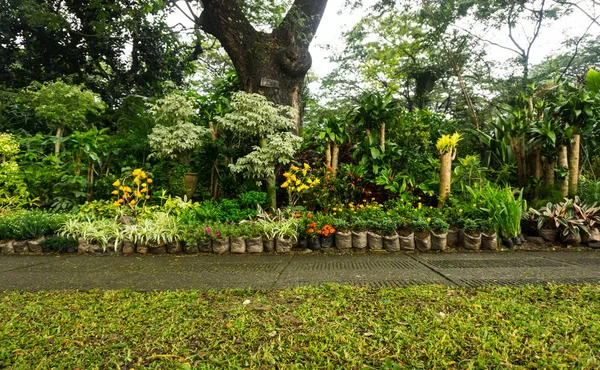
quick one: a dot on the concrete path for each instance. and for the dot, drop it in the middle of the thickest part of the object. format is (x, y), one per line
(44, 272)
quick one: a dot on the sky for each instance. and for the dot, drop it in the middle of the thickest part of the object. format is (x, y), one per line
(339, 18)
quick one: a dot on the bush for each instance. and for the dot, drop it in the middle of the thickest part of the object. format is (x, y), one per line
(59, 244)
(30, 224)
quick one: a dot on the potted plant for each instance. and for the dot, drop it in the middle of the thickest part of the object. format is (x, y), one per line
(589, 215)
(388, 227)
(471, 234)
(343, 235)
(489, 240)
(374, 238)
(220, 242)
(313, 236)
(406, 235)
(359, 233)
(439, 234)
(254, 242)
(237, 237)
(420, 226)
(287, 234)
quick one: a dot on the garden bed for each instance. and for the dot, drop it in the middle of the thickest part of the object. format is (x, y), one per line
(326, 327)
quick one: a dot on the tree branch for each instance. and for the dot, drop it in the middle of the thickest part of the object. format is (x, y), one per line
(301, 21)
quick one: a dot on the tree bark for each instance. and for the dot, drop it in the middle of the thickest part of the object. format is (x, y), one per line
(334, 158)
(549, 172)
(574, 165)
(273, 64)
(59, 134)
(328, 154)
(445, 177)
(518, 147)
(563, 162)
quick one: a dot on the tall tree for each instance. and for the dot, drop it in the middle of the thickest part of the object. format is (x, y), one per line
(274, 63)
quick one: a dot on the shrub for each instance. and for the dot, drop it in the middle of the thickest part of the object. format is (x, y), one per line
(58, 244)
(30, 224)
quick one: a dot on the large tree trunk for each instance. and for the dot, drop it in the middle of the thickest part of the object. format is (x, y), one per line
(574, 165)
(273, 64)
(538, 171)
(328, 154)
(59, 134)
(563, 162)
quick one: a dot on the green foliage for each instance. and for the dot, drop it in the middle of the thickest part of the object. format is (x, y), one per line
(23, 225)
(61, 104)
(439, 225)
(174, 135)
(57, 244)
(420, 223)
(503, 205)
(9, 146)
(520, 318)
(470, 225)
(97, 209)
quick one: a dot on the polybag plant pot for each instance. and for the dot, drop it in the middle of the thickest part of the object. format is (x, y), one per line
(327, 241)
(254, 245)
(303, 243)
(374, 241)
(472, 242)
(489, 241)
(439, 241)
(343, 240)
(391, 243)
(284, 245)
(237, 245)
(570, 238)
(549, 235)
(423, 241)
(35, 245)
(142, 249)
(407, 243)
(359, 240)
(20, 246)
(593, 236)
(192, 249)
(453, 238)
(314, 243)
(128, 247)
(205, 247)
(268, 244)
(174, 248)
(220, 246)
(158, 249)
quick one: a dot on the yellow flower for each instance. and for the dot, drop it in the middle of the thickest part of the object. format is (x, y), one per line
(136, 181)
(137, 194)
(115, 192)
(116, 204)
(428, 219)
(334, 213)
(294, 168)
(117, 183)
(147, 197)
(460, 210)
(334, 208)
(121, 188)
(474, 204)
(144, 185)
(298, 182)
(121, 201)
(144, 190)
(309, 180)
(287, 175)
(132, 202)
(419, 205)
(293, 178)
(304, 172)
(306, 166)
(316, 182)
(127, 189)
(136, 172)
(149, 181)
(143, 175)
(285, 184)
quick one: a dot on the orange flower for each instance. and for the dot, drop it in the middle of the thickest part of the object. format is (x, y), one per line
(329, 167)
(311, 231)
(309, 215)
(297, 215)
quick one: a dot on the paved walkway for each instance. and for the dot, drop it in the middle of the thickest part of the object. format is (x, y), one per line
(41, 272)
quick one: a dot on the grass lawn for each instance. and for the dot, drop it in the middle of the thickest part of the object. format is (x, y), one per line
(325, 327)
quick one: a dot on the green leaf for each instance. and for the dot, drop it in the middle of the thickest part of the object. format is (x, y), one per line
(592, 80)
